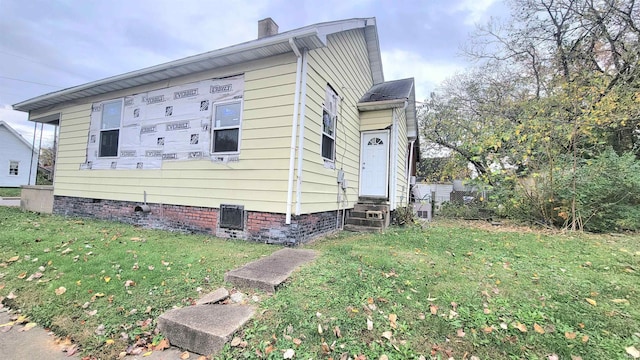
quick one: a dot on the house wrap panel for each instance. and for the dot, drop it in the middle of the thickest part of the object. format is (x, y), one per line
(257, 180)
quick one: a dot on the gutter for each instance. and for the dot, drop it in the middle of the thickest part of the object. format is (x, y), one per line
(303, 105)
(294, 126)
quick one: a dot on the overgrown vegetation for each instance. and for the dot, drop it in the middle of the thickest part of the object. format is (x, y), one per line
(555, 95)
(453, 290)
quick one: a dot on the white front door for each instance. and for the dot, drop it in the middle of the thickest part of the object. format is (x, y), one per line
(374, 164)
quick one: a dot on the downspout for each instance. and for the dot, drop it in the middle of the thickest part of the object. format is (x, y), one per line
(303, 105)
(393, 164)
(294, 125)
(409, 167)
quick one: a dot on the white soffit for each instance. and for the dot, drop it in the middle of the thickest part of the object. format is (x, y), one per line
(309, 37)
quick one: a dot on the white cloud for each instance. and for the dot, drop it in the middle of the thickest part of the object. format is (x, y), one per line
(399, 64)
(476, 10)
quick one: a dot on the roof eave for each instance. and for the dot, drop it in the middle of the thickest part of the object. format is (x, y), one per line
(310, 37)
(17, 135)
(381, 105)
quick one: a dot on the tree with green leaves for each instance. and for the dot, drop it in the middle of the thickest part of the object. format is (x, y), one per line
(558, 85)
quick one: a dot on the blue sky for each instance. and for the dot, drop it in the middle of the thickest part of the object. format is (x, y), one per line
(51, 45)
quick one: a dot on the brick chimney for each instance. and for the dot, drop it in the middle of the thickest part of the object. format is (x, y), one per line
(267, 27)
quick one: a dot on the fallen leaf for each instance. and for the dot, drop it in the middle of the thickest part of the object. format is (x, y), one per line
(488, 329)
(585, 338)
(61, 290)
(325, 348)
(631, 350)
(461, 333)
(107, 279)
(575, 357)
(202, 357)
(99, 330)
(570, 335)
(320, 329)
(184, 355)
(28, 327)
(109, 342)
(235, 341)
(336, 332)
(22, 275)
(91, 313)
(620, 301)
(11, 296)
(13, 259)
(162, 345)
(36, 275)
(392, 320)
(537, 328)
(520, 326)
(553, 357)
(504, 326)
(289, 354)
(129, 283)
(384, 357)
(591, 301)
(369, 324)
(433, 309)
(297, 341)
(387, 335)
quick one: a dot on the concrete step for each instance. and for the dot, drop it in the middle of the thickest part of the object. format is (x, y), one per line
(372, 200)
(358, 214)
(379, 223)
(359, 207)
(357, 228)
(268, 273)
(203, 329)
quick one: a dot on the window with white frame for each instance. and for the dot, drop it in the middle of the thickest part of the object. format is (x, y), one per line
(225, 134)
(110, 128)
(14, 167)
(329, 119)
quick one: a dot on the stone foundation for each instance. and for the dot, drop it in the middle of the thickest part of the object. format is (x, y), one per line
(258, 226)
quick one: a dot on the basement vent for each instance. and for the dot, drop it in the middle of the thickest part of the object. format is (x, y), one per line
(232, 217)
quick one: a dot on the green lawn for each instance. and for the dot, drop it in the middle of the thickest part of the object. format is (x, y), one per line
(452, 289)
(9, 192)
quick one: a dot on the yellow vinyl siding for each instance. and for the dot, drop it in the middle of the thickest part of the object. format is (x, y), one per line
(258, 180)
(343, 64)
(401, 159)
(375, 120)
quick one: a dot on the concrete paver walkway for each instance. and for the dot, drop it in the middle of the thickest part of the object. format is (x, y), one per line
(33, 344)
(13, 202)
(212, 325)
(267, 273)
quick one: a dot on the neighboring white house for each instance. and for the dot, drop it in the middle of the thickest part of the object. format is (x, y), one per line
(15, 159)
